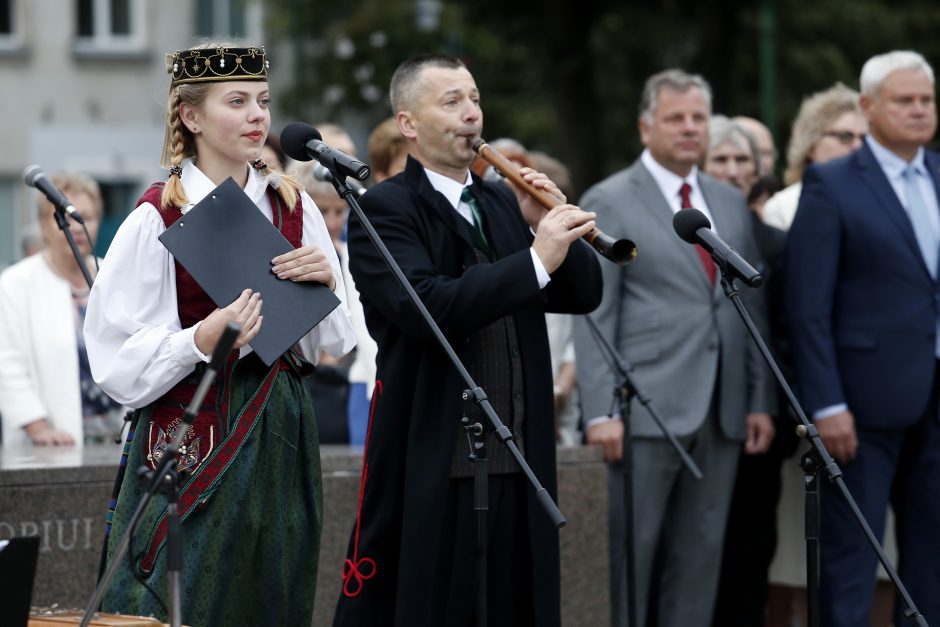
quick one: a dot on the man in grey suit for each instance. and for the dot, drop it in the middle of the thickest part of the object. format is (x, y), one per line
(667, 315)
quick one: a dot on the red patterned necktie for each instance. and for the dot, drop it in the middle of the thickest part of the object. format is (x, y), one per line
(685, 193)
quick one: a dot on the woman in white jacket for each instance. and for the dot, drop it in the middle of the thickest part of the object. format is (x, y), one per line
(47, 395)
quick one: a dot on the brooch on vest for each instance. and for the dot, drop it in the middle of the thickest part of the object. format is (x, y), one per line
(194, 449)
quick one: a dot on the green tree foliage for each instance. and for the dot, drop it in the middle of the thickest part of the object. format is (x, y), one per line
(565, 77)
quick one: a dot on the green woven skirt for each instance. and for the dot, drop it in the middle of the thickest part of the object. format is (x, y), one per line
(251, 511)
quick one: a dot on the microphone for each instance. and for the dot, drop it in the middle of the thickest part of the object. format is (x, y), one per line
(301, 142)
(224, 346)
(34, 177)
(322, 174)
(216, 363)
(692, 226)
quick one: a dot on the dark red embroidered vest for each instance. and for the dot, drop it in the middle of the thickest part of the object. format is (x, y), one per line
(193, 304)
(208, 439)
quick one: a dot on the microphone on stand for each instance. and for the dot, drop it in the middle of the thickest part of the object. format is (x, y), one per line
(301, 142)
(34, 177)
(118, 436)
(220, 353)
(224, 345)
(693, 226)
(322, 174)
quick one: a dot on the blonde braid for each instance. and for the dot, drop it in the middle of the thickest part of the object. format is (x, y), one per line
(287, 187)
(173, 194)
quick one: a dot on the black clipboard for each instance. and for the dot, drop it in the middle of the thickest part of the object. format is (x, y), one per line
(227, 244)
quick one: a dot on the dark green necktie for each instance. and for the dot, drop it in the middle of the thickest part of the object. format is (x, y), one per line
(479, 238)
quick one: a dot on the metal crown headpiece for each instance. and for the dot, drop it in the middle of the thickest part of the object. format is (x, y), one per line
(217, 64)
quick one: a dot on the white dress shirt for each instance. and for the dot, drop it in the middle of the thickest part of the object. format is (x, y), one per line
(451, 190)
(136, 345)
(669, 184)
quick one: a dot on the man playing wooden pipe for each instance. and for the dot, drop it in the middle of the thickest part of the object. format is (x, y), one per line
(487, 270)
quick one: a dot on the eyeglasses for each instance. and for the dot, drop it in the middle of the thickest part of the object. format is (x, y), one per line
(844, 137)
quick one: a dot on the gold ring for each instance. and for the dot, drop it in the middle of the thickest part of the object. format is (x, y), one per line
(565, 222)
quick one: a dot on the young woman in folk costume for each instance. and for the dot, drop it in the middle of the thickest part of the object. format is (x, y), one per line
(251, 503)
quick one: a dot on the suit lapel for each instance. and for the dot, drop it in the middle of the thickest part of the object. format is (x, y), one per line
(651, 196)
(875, 179)
(438, 205)
(933, 169)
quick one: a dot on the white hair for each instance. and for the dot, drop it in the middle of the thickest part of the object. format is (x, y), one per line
(722, 129)
(877, 68)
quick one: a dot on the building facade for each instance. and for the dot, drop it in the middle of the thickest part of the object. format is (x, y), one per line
(84, 89)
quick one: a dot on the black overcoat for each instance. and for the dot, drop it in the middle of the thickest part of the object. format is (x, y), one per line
(417, 404)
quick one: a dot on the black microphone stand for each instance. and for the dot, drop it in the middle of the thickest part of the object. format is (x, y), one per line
(166, 478)
(472, 392)
(623, 395)
(476, 441)
(62, 221)
(812, 462)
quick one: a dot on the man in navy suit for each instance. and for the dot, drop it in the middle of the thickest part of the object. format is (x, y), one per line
(864, 302)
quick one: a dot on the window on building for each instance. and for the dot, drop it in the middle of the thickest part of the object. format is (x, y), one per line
(109, 25)
(11, 224)
(6, 17)
(240, 19)
(86, 18)
(17, 215)
(118, 198)
(11, 25)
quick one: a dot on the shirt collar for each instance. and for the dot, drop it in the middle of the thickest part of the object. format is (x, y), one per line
(892, 164)
(668, 182)
(448, 187)
(197, 185)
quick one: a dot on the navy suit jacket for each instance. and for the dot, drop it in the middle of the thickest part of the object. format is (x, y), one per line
(861, 304)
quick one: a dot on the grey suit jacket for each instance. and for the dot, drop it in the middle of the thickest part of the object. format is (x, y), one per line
(683, 336)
